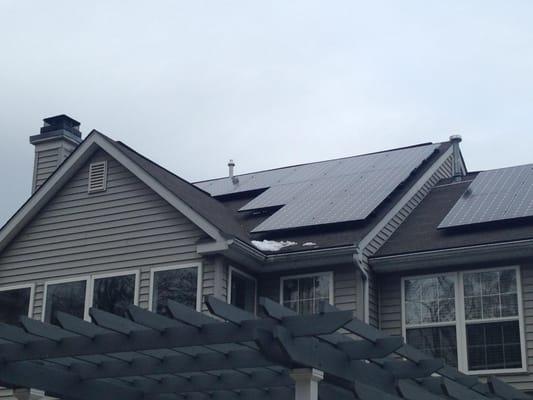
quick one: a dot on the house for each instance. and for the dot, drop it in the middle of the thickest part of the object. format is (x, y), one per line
(107, 227)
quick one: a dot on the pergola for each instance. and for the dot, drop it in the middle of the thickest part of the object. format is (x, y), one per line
(232, 356)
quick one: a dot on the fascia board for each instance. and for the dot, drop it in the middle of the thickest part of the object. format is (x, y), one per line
(494, 252)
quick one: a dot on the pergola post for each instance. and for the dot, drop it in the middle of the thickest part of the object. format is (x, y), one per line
(306, 383)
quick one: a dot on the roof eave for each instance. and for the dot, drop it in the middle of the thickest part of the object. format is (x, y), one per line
(442, 258)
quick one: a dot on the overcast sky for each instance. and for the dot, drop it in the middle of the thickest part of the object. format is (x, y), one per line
(191, 84)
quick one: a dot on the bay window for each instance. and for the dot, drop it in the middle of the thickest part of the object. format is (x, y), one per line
(472, 319)
(305, 293)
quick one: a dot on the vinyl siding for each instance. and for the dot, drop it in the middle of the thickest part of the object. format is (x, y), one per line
(48, 156)
(127, 227)
(444, 171)
(391, 316)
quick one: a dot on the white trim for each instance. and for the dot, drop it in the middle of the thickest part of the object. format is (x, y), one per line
(313, 274)
(30, 286)
(419, 184)
(197, 265)
(460, 321)
(86, 278)
(245, 275)
(135, 272)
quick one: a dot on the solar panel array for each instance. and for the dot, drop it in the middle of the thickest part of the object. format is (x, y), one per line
(342, 190)
(495, 195)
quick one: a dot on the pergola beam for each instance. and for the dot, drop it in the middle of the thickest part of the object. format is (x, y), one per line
(207, 383)
(57, 382)
(173, 364)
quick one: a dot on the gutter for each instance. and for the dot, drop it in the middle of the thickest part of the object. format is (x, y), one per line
(493, 252)
(242, 252)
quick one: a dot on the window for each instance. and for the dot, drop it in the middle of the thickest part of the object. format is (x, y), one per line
(14, 302)
(67, 296)
(492, 320)
(114, 292)
(242, 290)
(430, 316)
(180, 284)
(305, 293)
(472, 319)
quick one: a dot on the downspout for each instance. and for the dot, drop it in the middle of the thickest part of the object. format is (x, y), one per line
(360, 265)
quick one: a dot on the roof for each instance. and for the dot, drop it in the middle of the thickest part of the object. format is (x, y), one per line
(323, 235)
(420, 232)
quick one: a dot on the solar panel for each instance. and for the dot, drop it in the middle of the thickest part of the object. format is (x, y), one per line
(346, 189)
(495, 195)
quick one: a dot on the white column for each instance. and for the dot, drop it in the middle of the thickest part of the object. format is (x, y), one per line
(306, 383)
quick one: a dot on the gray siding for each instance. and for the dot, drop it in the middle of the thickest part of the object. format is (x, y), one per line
(444, 171)
(49, 156)
(391, 316)
(127, 227)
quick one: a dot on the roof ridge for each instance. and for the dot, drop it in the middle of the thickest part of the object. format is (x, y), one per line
(318, 162)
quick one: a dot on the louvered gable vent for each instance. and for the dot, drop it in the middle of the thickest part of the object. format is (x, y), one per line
(97, 177)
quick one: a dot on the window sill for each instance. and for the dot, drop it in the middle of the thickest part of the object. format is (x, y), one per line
(514, 371)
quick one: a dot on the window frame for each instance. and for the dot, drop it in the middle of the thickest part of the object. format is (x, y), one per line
(199, 290)
(88, 290)
(312, 274)
(232, 269)
(31, 286)
(113, 274)
(461, 322)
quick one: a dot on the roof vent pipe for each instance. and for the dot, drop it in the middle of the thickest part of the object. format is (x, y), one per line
(231, 167)
(458, 171)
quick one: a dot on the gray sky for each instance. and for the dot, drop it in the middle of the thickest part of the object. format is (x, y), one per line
(191, 84)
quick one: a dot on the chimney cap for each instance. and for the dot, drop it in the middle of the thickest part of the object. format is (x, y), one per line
(58, 126)
(231, 163)
(456, 138)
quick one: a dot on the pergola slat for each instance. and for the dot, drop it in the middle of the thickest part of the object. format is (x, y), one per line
(224, 310)
(151, 319)
(408, 369)
(505, 391)
(45, 330)
(188, 316)
(365, 350)
(79, 326)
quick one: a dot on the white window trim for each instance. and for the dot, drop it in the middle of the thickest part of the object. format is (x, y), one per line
(135, 272)
(325, 273)
(89, 295)
(460, 321)
(31, 286)
(175, 267)
(231, 270)
(88, 290)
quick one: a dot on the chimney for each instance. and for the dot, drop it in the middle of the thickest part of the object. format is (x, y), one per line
(457, 160)
(58, 138)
